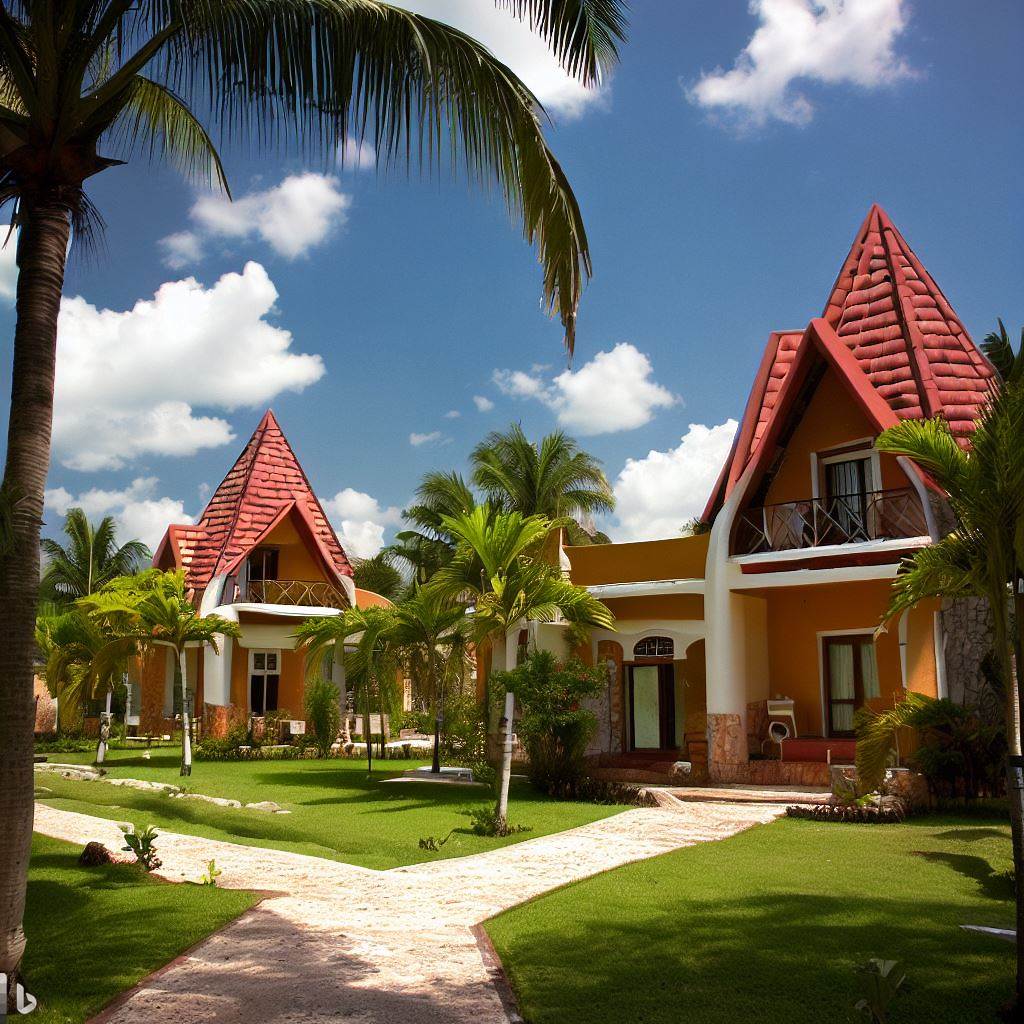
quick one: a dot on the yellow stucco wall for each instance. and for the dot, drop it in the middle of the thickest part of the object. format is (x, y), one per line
(290, 690)
(295, 561)
(679, 558)
(659, 606)
(832, 419)
(797, 615)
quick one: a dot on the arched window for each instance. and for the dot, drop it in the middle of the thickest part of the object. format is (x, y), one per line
(654, 647)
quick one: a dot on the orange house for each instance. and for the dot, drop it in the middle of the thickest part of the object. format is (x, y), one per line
(263, 554)
(779, 599)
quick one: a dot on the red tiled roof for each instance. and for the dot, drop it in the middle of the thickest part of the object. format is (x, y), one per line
(909, 347)
(265, 485)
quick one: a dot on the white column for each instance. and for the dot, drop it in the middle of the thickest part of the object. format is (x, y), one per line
(726, 645)
(217, 665)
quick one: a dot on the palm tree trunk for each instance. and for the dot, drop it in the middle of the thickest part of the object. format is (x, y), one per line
(42, 251)
(1014, 766)
(366, 725)
(435, 766)
(186, 735)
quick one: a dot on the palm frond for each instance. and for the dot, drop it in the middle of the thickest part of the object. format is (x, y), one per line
(876, 736)
(948, 568)
(157, 121)
(583, 34)
(931, 444)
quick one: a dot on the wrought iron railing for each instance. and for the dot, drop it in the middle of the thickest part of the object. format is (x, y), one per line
(307, 593)
(842, 519)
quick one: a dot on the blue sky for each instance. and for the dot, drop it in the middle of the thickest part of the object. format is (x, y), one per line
(722, 176)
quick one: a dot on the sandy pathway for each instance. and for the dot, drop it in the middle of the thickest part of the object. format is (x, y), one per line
(348, 944)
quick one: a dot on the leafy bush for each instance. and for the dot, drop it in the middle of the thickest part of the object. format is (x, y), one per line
(487, 822)
(421, 721)
(237, 745)
(66, 745)
(464, 737)
(959, 755)
(553, 726)
(323, 714)
(601, 791)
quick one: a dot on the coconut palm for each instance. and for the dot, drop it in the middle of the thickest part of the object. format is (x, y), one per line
(371, 663)
(984, 554)
(499, 564)
(86, 84)
(555, 478)
(90, 559)
(154, 609)
(431, 632)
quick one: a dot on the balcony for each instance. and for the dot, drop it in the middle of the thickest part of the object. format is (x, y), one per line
(303, 593)
(844, 519)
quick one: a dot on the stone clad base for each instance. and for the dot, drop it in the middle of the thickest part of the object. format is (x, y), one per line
(217, 720)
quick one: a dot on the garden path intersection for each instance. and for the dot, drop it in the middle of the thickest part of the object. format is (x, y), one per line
(340, 943)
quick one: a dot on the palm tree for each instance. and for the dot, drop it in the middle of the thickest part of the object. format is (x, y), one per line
(89, 561)
(79, 76)
(500, 566)
(431, 632)
(555, 478)
(379, 575)
(984, 554)
(154, 609)
(71, 643)
(371, 664)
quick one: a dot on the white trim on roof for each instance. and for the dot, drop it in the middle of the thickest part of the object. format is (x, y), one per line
(647, 588)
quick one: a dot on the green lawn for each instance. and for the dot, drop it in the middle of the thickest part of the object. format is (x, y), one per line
(336, 811)
(94, 932)
(768, 925)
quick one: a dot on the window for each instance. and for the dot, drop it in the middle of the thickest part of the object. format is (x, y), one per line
(847, 480)
(654, 647)
(264, 678)
(851, 678)
(263, 564)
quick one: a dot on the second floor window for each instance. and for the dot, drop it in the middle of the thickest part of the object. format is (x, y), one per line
(263, 564)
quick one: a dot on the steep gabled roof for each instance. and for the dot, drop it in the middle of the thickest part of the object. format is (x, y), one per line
(264, 486)
(904, 347)
(891, 314)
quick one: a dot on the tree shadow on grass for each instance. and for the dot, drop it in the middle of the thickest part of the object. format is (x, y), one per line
(768, 958)
(972, 835)
(994, 885)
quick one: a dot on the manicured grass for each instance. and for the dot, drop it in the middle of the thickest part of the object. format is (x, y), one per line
(336, 811)
(767, 926)
(94, 932)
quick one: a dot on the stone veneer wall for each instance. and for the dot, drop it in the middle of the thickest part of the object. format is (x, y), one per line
(727, 746)
(967, 637)
(607, 707)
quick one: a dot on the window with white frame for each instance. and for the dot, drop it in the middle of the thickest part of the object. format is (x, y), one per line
(264, 680)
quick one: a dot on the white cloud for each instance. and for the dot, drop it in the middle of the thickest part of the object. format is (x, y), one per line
(825, 41)
(452, 414)
(613, 391)
(8, 264)
(181, 249)
(482, 403)
(137, 510)
(292, 217)
(357, 155)
(512, 42)
(655, 495)
(418, 440)
(360, 521)
(128, 381)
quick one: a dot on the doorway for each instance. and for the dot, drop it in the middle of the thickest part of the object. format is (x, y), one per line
(652, 706)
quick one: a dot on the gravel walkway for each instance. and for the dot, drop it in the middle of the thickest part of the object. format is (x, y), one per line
(347, 944)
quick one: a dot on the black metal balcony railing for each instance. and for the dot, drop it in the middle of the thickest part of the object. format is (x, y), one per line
(307, 593)
(843, 519)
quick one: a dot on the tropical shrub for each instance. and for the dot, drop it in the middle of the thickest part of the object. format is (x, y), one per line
(323, 713)
(142, 845)
(960, 756)
(553, 725)
(464, 737)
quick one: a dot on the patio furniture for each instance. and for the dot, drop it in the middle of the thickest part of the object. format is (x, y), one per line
(781, 720)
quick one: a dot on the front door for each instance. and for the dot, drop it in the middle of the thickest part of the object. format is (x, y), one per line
(652, 707)
(851, 679)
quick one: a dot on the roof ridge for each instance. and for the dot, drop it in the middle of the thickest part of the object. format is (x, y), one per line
(261, 430)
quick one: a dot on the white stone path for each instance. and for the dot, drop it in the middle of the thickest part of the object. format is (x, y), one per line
(348, 944)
